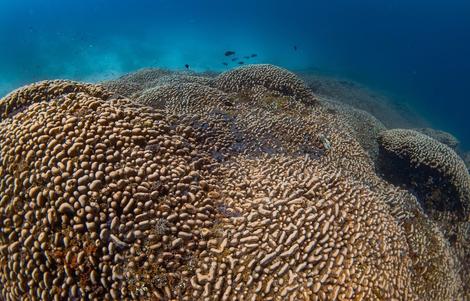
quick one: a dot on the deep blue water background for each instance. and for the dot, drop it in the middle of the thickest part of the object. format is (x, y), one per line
(416, 51)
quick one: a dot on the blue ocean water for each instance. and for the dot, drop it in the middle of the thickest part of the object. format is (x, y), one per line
(417, 51)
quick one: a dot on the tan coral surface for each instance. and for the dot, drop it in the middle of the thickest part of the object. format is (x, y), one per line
(197, 193)
(433, 158)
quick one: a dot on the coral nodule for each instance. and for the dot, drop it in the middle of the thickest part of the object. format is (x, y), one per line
(239, 186)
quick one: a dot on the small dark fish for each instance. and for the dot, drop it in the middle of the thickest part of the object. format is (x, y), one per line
(229, 53)
(234, 59)
(246, 57)
(254, 55)
(225, 64)
(295, 48)
(241, 63)
(187, 66)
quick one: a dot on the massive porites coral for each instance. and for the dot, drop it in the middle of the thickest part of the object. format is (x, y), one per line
(248, 79)
(441, 136)
(431, 168)
(257, 193)
(365, 127)
(439, 177)
(131, 84)
(334, 136)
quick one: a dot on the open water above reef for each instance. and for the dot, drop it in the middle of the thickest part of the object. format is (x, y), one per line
(417, 52)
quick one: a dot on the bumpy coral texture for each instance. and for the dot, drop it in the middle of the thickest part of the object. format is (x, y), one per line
(197, 193)
(439, 177)
(131, 84)
(365, 127)
(182, 95)
(20, 99)
(248, 78)
(441, 136)
(429, 156)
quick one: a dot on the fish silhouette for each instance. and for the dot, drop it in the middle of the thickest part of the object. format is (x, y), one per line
(254, 55)
(241, 63)
(234, 59)
(229, 53)
(225, 64)
(187, 66)
(295, 48)
(247, 57)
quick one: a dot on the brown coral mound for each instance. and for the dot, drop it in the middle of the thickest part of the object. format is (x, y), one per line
(365, 127)
(85, 187)
(260, 198)
(441, 136)
(20, 99)
(433, 169)
(180, 78)
(232, 123)
(179, 96)
(251, 78)
(145, 76)
(436, 269)
(118, 208)
(122, 87)
(303, 239)
(129, 84)
(440, 179)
